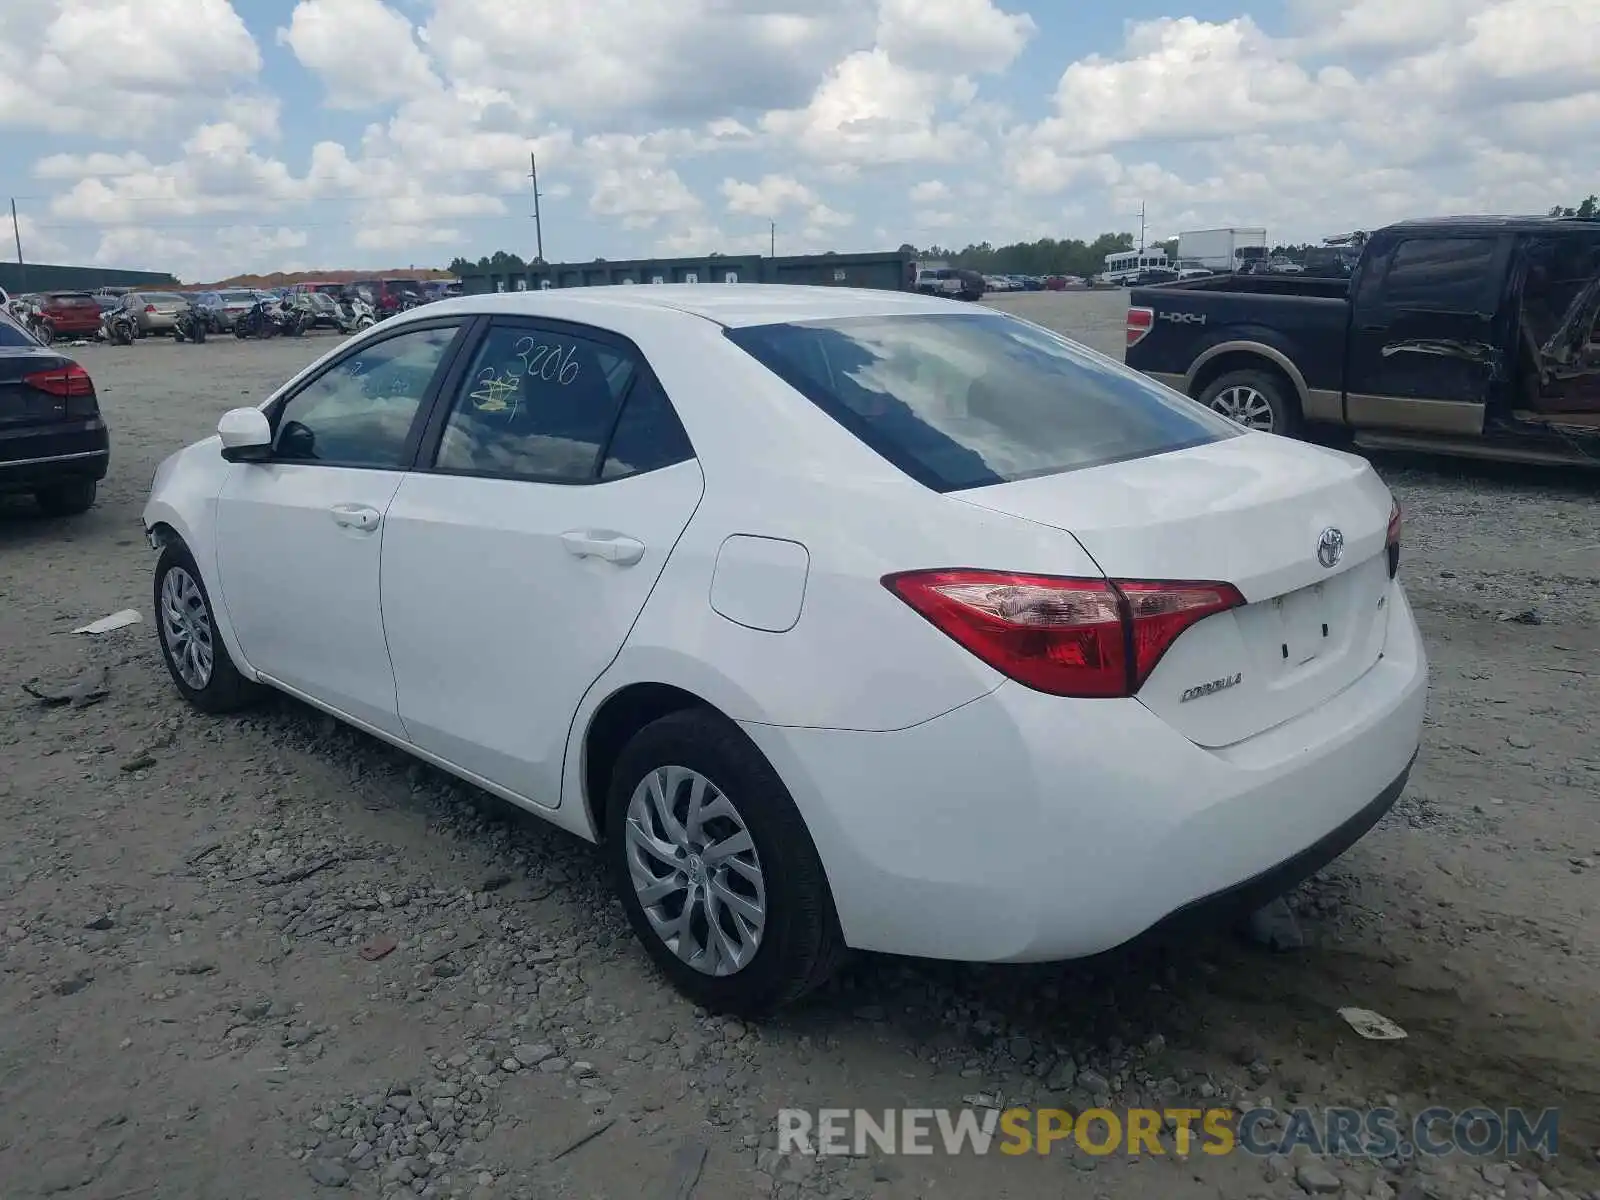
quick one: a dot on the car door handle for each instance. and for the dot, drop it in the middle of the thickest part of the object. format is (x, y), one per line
(612, 547)
(355, 516)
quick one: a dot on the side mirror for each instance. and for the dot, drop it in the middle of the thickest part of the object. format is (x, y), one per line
(246, 435)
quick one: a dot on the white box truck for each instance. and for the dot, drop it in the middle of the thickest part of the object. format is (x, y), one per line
(1219, 249)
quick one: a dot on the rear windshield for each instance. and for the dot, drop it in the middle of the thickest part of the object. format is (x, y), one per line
(70, 299)
(969, 400)
(162, 298)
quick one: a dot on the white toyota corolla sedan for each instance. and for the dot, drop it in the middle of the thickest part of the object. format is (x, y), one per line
(839, 618)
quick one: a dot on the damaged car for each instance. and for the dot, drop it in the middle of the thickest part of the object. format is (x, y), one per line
(1477, 336)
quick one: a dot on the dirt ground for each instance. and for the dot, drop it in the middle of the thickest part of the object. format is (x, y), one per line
(266, 957)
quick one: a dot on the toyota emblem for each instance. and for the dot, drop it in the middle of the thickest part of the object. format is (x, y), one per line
(1330, 547)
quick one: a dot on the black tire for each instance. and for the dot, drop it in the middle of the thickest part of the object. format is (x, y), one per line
(800, 944)
(45, 332)
(224, 690)
(1243, 392)
(67, 499)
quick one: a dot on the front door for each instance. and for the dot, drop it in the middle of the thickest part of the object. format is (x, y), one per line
(1428, 337)
(298, 536)
(516, 563)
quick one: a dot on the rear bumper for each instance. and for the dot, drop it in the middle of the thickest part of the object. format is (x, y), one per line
(39, 455)
(1024, 827)
(75, 327)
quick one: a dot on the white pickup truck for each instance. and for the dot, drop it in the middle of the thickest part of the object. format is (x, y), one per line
(952, 282)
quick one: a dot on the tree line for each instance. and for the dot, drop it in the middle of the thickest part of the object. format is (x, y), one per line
(1047, 256)
(1588, 210)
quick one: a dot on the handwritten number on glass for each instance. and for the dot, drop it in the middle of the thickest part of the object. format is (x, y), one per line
(498, 392)
(549, 363)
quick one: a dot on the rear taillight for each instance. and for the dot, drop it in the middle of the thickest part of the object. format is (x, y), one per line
(1140, 321)
(1392, 542)
(149, 308)
(1067, 637)
(70, 380)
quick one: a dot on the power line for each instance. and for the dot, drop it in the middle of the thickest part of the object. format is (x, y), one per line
(111, 223)
(341, 197)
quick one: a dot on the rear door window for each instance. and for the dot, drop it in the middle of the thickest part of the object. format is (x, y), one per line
(1454, 275)
(537, 404)
(967, 401)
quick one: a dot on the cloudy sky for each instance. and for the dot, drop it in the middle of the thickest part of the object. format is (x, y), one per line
(209, 137)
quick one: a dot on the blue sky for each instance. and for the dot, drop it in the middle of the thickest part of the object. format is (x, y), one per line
(210, 138)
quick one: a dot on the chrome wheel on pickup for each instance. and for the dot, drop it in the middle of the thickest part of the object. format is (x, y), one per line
(1254, 399)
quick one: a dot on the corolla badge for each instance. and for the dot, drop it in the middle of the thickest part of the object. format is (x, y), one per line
(1330, 547)
(1212, 688)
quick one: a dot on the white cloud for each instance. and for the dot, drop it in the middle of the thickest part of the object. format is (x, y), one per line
(618, 59)
(65, 67)
(820, 218)
(768, 196)
(688, 125)
(38, 245)
(399, 237)
(952, 35)
(134, 249)
(1370, 112)
(364, 51)
(639, 196)
(83, 166)
(871, 111)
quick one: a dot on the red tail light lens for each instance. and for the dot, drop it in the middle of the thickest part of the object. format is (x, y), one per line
(1140, 321)
(149, 308)
(1160, 611)
(70, 380)
(1067, 637)
(1392, 542)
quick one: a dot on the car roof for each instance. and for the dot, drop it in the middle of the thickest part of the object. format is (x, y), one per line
(732, 305)
(1485, 224)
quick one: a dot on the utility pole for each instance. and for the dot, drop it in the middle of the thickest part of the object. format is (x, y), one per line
(772, 238)
(1141, 227)
(538, 224)
(16, 232)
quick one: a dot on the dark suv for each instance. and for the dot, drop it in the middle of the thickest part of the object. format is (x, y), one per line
(53, 442)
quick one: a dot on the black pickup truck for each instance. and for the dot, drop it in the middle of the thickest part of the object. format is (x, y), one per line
(1467, 335)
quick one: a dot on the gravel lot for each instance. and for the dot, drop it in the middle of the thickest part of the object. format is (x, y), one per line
(268, 957)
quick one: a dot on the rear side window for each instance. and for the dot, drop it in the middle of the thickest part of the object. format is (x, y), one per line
(648, 435)
(1442, 275)
(966, 401)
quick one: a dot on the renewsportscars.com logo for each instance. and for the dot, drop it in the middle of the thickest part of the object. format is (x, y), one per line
(1374, 1133)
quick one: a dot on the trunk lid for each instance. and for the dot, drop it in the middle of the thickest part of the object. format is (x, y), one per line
(1249, 511)
(19, 403)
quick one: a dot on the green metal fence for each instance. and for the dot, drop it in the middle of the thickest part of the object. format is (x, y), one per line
(50, 277)
(889, 271)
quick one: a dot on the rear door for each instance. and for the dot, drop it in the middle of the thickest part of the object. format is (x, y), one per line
(515, 562)
(1427, 336)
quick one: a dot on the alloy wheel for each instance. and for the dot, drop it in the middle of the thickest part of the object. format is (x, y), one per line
(695, 870)
(186, 628)
(1246, 406)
